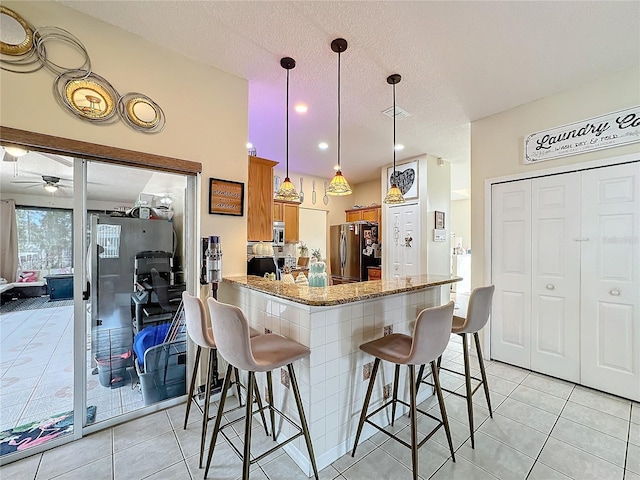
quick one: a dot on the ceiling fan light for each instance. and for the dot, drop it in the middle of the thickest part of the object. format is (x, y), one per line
(16, 151)
(394, 196)
(51, 188)
(339, 186)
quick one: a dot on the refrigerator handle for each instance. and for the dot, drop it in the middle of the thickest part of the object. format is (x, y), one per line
(343, 251)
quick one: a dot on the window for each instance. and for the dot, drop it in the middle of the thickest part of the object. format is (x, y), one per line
(45, 238)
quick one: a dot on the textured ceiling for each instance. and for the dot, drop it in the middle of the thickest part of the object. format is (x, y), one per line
(459, 61)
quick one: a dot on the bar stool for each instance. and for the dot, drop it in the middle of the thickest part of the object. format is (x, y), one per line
(263, 353)
(478, 312)
(202, 335)
(430, 337)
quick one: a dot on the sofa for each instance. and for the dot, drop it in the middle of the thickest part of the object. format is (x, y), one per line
(29, 283)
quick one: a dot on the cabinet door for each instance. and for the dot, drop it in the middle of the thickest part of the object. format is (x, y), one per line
(511, 272)
(354, 216)
(278, 215)
(610, 299)
(555, 265)
(260, 199)
(291, 223)
(370, 215)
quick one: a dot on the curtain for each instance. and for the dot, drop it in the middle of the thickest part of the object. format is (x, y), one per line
(8, 241)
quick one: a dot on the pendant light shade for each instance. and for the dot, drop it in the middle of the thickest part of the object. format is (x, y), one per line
(287, 191)
(394, 195)
(339, 185)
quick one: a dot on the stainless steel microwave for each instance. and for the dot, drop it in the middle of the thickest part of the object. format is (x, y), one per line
(278, 233)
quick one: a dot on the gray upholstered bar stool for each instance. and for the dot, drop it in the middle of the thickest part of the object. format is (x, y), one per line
(263, 353)
(430, 337)
(478, 312)
(200, 332)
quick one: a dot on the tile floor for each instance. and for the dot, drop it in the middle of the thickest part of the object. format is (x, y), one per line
(36, 370)
(542, 428)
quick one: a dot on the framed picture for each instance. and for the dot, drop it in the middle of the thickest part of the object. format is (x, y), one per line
(439, 220)
(226, 197)
(406, 179)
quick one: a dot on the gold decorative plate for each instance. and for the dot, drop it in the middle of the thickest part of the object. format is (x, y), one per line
(142, 112)
(26, 44)
(89, 99)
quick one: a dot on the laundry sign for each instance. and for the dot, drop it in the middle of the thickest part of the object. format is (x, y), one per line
(606, 131)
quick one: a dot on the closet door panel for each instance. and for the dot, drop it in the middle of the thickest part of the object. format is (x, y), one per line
(610, 304)
(555, 285)
(511, 272)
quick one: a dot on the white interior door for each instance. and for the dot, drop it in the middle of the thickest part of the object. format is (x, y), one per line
(511, 272)
(403, 239)
(555, 286)
(610, 304)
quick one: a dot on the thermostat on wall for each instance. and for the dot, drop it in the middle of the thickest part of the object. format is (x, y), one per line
(439, 235)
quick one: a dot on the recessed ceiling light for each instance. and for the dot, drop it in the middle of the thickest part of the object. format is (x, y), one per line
(249, 145)
(323, 145)
(301, 108)
(399, 147)
(16, 151)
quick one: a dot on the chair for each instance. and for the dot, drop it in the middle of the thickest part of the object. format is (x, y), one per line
(201, 333)
(478, 312)
(430, 337)
(258, 354)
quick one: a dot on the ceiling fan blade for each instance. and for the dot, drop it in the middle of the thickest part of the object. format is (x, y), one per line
(57, 158)
(33, 182)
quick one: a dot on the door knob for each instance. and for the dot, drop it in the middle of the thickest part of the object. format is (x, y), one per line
(550, 287)
(614, 292)
(580, 239)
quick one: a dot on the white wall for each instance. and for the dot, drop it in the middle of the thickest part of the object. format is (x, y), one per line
(206, 109)
(461, 222)
(497, 141)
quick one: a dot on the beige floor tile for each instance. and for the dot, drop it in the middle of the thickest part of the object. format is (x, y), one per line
(178, 471)
(496, 457)
(634, 434)
(635, 413)
(609, 424)
(462, 469)
(140, 430)
(431, 456)
(629, 475)
(601, 401)
(99, 470)
(552, 386)
(633, 459)
(540, 471)
(533, 417)
(536, 398)
(576, 463)
(591, 441)
(146, 458)
(516, 435)
(508, 372)
(24, 469)
(378, 464)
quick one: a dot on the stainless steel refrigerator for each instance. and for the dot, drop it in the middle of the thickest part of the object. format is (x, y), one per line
(354, 247)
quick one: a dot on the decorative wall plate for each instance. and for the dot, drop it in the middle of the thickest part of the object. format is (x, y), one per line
(16, 31)
(141, 113)
(44, 35)
(88, 96)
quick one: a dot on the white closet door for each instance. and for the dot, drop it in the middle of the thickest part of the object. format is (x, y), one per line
(511, 272)
(610, 304)
(405, 222)
(555, 266)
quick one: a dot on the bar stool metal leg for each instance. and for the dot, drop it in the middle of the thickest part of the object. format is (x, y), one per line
(443, 409)
(238, 391)
(396, 378)
(216, 427)
(365, 407)
(483, 373)
(414, 420)
(246, 461)
(271, 411)
(207, 398)
(192, 386)
(467, 382)
(303, 420)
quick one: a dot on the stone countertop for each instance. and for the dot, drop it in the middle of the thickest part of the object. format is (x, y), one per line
(340, 294)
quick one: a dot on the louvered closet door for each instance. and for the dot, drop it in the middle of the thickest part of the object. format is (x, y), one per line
(511, 272)
(610, 303)
(555, 284)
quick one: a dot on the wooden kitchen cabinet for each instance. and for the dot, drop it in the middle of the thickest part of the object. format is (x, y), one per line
(289, 213)
(259, 199)
(367, 214)
(375, 273)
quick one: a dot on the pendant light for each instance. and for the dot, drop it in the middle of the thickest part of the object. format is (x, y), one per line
(339, 185)
(287, 191)
(394, 195)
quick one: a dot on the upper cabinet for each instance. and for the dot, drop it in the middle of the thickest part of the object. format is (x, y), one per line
(367, 214)
(259, 199)
(289, 213)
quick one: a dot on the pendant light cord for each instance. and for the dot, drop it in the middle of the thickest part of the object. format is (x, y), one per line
(394, 131)
(288, 124)
(339, 168)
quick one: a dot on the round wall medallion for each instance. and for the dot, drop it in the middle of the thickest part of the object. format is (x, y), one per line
(141, 113)
(89, 98)
(17, 36)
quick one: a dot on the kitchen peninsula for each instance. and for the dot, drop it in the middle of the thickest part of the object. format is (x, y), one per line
(333, 321)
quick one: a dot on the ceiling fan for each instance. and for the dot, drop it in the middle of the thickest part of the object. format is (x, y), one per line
(12, 154)
(51, 184)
